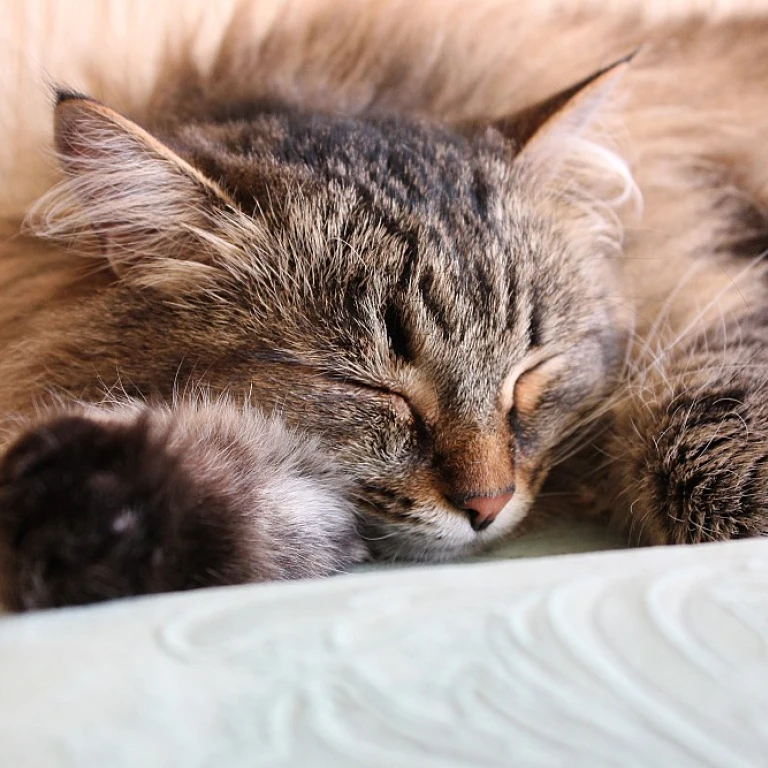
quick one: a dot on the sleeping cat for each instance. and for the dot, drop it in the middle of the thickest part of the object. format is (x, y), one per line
(351, 294)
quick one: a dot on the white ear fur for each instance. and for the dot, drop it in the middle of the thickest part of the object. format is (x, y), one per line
(126, 195)
(561, 150)
(555, 127)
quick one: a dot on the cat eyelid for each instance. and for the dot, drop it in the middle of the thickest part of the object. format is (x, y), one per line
(534, 362)
(524, 369)
(553, 353)
(540, 362)
(403, 404)
(376, 389)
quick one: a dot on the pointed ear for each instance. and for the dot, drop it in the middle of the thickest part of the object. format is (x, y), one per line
(540, 133)
(127, 194)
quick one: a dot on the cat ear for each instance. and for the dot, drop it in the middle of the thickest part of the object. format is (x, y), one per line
(541, 134)
(127, 194)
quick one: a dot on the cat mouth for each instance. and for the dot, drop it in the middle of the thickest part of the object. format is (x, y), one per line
(435, 533)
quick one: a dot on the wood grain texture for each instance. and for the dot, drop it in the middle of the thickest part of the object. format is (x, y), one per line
(656, 657)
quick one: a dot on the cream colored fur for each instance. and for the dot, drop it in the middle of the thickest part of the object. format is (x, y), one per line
(112, 49)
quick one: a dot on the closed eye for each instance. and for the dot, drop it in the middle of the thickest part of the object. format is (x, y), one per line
(523, 392)
(532, 386)
(404, 410)
(401, 403)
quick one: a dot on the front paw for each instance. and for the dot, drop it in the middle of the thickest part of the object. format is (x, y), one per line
(83, 513)
(696, 472)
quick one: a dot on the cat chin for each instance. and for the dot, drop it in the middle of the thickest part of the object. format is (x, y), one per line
(442, 536)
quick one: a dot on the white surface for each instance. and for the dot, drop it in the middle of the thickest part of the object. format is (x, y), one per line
(654, 658)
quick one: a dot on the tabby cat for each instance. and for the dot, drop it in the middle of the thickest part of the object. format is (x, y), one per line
(365, 285)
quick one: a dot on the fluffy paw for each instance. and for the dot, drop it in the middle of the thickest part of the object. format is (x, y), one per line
(86, 512)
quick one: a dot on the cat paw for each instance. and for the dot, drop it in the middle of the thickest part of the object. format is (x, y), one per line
(84, 513)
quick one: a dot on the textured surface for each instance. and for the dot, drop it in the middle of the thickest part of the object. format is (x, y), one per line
(645, 658)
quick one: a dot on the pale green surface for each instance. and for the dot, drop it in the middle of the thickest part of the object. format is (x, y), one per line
(559, 538)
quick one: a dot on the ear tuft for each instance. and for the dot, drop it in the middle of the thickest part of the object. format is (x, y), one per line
(557, 143)
(570, 109)
(127, 195)
(562, 150)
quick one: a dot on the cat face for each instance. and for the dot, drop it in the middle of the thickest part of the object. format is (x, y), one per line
(425, 318)
(417, 296)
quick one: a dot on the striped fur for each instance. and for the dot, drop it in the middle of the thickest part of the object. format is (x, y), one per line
(393, 239)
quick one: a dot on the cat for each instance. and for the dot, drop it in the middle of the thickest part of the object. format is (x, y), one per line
(363, 288)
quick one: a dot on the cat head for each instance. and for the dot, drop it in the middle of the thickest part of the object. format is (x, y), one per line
(435, 302)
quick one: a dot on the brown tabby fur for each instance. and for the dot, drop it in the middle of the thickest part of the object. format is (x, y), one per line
(358, 222)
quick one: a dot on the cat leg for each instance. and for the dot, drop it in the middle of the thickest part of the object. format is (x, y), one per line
(103, 503)
(690, 454)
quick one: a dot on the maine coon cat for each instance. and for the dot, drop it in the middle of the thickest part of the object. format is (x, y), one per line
(363, 287)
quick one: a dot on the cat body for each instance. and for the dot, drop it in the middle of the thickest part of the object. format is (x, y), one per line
(362, 289)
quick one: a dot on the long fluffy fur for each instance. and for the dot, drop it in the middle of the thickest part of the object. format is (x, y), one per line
(685, 136)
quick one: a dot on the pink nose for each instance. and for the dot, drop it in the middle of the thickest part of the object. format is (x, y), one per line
(483, 510)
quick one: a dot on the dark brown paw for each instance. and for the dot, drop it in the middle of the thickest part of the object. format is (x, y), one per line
(89, 511)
